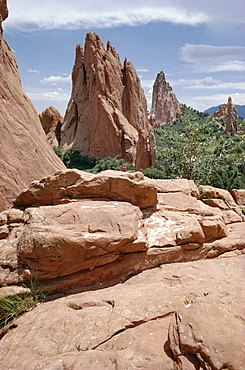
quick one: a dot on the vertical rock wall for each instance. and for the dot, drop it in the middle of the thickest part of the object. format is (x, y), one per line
(24, 152)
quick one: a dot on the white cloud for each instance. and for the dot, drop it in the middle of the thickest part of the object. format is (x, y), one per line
(206, 101)
(33, 70)
(41, 94)
(230, 66)
(208, 58)
(208, 83)
(196, 53)
(142, 70)
(53, 80)
(76, 14)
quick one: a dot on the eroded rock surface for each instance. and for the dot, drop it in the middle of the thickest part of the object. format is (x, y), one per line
(51, 121)
(107, 112)
(165, 108)
(79, 229)
(180, 316)
(24, 152)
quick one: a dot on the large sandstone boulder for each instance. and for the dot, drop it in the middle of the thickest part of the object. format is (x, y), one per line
(107, 112)
(239, 196)
(79, 229)
(51, 121)
(165, 108)
(182, 316)
(25, 154)
(74, 184)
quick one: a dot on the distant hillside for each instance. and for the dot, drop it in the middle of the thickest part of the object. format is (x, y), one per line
(240, 110)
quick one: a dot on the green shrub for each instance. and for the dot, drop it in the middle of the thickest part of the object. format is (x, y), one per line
(13, 306)
(153, 173)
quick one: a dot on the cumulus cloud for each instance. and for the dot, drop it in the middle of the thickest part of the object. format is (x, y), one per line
(209, 81)
(33, 71)
(53, 80)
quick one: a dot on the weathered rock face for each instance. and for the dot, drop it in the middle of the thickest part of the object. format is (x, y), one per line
(51, 121)
(77, 229)
(107, 112)
(182, 316)
(239, 196)
(24, 152)
(165, 107)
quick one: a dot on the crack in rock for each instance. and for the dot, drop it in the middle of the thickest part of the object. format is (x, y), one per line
(133, 324)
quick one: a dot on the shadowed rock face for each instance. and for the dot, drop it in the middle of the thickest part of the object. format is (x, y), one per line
(165, 108)
(3, 10)
(107, 112)
(24, 152)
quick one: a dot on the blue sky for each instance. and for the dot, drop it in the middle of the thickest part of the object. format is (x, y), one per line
(198, 44)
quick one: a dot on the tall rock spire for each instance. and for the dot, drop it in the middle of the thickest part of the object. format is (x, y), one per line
(107, 111)
(165, 108)
(231, 124)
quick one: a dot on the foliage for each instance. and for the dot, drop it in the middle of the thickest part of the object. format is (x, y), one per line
(13, 306)
(73, 159)
(110, 163)
(58, 151)
(153, 173)
(197, 148)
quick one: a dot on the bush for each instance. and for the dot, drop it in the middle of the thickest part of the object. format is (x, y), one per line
(153, 173)
(110, 164)
(73, 159)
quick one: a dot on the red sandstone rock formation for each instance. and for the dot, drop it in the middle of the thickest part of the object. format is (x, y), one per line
(24, 152)
(51, 121)
(107, 112)
(223, 110)
(130, 224)
(231, 125)
(75, 227)
(165, 108)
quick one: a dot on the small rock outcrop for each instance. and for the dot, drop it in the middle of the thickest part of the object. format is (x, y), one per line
(107, 112)
(25, 154)
(165, 108)
(51, 121)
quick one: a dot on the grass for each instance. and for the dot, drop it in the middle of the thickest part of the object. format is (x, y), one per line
(13, 306)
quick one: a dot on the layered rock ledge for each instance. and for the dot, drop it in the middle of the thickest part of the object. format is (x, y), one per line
(79, 229)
